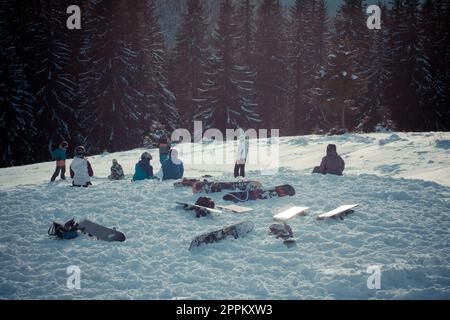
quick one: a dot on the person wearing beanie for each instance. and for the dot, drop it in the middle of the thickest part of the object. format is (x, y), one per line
(60, 156)
(143, 170)
(116, 171)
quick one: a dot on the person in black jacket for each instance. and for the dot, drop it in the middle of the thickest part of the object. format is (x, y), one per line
(332, 163)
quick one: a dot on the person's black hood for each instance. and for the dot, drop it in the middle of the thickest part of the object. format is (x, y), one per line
(331, 149)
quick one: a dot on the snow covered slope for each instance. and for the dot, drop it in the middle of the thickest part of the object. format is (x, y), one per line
(400, 180)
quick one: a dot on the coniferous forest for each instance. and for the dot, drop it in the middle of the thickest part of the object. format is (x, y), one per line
(257, 64)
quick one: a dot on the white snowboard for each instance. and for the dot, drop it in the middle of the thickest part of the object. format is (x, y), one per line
(336, 212)
(197, 206)
(235, 208)
(289, 213)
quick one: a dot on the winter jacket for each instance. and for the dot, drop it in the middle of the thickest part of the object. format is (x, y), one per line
(116, 172)
(332, 163)
(143, 170)
(163, 157)
(172, 170)
(242, 151)
(60, 156)
(81, 171)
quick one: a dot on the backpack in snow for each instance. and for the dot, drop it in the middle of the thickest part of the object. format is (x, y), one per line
(204, 202)
(67, 231)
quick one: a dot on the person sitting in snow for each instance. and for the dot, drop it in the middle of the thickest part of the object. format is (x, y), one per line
(172, 168)
(332, 163)
(164, 146)
(143, 170)
(116, 171)
(81, 169)
(60, 156)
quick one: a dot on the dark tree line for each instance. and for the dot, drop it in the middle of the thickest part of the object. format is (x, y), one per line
(103, 86)
(263, 65)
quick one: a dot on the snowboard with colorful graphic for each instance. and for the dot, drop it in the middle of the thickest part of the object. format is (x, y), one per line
(210, 187)
(279, 191)
(189, 182)
(237, 231)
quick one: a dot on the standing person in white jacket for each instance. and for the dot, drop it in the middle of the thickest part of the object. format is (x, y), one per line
(239, 167)
(80, 169)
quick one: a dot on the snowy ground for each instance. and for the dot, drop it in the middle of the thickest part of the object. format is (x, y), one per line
(401, 181)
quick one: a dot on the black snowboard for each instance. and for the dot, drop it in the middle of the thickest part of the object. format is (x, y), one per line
(237, 231)
(100, 232)
(279, 191)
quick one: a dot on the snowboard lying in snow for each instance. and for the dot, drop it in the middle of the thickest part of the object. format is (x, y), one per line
(100, 232)
(191, 206)
(189, 182)
(279, 191)
(340, 212)
(209, 186)
(237, 231)
(235, 208)
(289, 213)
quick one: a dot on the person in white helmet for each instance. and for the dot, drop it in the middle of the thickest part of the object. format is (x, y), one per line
(81, 169)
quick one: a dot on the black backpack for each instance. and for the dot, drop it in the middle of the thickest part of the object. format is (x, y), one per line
(67, 231)
(204, 202)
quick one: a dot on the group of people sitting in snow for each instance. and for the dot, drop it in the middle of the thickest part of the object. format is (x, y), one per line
(81, 170)
(171, 166)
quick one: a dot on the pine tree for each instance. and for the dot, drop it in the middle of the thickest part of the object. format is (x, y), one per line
(410, 79)
(225, 101)
(300, 55)
(246, 32)
(152, 80)
(308, 45)
(17, 103)
(321, 40)
(245, 57)
(271, 63)
(189, 59)
(434, 27)
(343, 82)
(114, 104)
(48, 57)
(340, 85)
(444, 24)
(317, 117)
(375, 112)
